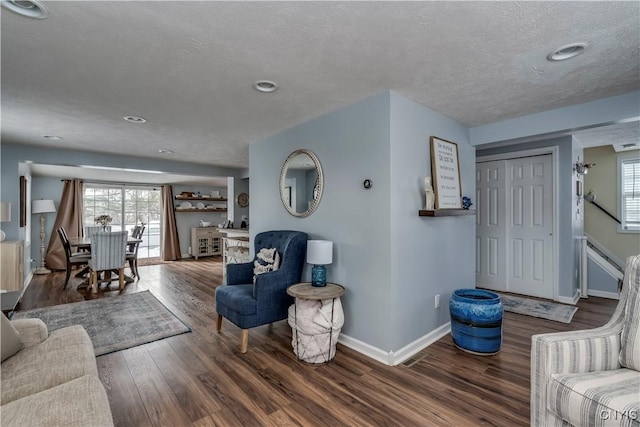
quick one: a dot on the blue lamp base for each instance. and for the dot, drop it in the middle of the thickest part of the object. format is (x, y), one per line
(318, 276)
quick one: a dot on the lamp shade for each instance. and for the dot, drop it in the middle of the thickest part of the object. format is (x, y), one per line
(319, 252)
(5, 212)
(42, 206)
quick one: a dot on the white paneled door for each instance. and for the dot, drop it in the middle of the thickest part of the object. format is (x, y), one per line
(514, 242)
(491, 268)
(530, 231)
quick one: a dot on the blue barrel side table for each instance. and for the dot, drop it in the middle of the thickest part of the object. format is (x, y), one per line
(476, 321)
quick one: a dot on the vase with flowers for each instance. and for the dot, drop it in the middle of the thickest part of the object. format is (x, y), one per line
(104, 221)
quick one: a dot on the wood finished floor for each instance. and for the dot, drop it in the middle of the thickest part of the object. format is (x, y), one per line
(201, 378)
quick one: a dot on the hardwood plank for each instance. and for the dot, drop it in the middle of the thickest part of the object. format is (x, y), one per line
(162, 406)
(192, 396)
(126, 404)
(202, 379)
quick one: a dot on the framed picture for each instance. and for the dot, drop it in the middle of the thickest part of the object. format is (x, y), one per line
(445, 170)
(23, 201)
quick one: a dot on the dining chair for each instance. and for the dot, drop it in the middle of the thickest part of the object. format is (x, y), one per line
(89, 230)
(108, 252)
(132, 251)
(77, 258)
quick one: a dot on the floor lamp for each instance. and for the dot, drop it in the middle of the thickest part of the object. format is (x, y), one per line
(42, 207)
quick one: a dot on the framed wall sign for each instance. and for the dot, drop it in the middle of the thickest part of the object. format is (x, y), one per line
(445, 170)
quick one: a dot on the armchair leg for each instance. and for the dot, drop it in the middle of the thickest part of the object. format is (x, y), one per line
(219, 323)
(245, 341)
(121, 278)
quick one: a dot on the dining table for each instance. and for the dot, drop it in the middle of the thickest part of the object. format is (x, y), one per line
(84, 244)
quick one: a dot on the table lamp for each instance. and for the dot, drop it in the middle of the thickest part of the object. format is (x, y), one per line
(319, 253)
(5, 216)
(42, 207)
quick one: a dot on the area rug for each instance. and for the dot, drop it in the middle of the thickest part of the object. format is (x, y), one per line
(113, 323)
(538, 308)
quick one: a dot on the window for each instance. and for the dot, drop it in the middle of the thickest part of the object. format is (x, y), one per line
(127, 206)
(629, 170)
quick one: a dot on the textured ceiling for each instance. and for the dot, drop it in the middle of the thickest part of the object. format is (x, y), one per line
(188, 67)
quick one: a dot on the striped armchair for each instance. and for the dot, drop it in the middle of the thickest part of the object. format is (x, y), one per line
(591, 377)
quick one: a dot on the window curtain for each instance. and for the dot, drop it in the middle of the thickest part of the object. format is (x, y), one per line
(170, 244)
(69, 216)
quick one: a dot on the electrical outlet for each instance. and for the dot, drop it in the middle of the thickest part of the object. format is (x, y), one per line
(437, 301)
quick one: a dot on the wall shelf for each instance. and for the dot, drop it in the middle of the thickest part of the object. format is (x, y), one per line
(446, 212)
(200, 210)
(209, 199)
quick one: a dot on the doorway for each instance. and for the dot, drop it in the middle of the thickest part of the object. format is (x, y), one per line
(515, 243)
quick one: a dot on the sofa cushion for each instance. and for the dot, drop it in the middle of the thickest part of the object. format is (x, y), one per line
(66, 355)
(266, 260)
(596, 398)
(10, 339)
(32, 331)
(630, 337)
(81, 402)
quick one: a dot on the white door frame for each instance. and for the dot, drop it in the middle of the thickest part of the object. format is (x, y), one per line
(555, 188)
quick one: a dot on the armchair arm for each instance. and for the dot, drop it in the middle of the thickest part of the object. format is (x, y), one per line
(569, 352)
(240, 274)
(270, 283)
(32, 331)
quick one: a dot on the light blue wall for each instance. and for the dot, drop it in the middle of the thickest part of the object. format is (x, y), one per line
(569, 226)
(555, 122)
(43, 188)
(600, 280)
(391, 261)
(352, 144)
(429, 256)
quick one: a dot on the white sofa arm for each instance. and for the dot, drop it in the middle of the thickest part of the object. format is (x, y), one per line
(569, 352)
(32, 331)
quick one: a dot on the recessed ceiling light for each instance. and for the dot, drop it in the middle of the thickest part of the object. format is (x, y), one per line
(28, 8)
(265, 86)
(567, 51)
(51, 136)
(163, 151)
(135, 119)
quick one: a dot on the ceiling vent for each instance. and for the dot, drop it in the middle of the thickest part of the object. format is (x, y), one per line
(28, 8)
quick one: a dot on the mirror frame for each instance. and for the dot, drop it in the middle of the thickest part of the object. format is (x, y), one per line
(319, 183)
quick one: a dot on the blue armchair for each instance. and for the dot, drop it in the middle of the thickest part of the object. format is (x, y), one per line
(248, 305)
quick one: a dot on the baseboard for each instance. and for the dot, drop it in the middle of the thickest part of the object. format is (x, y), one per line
(28, 279)
(570, 300)
(603, 294)
(364, 348)
(392, 358)
(420, 344)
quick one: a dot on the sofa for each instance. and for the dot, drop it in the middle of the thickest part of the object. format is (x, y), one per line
(591, 377)
(49, 379)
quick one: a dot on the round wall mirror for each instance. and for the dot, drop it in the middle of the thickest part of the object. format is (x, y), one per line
(301, 183)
